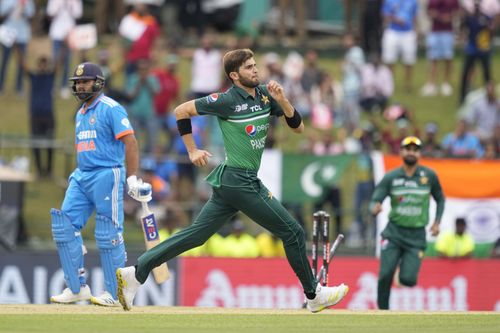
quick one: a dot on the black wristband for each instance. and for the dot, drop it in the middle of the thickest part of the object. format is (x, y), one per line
(184, 126)
(295, 120)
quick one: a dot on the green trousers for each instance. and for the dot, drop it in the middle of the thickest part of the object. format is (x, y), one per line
(403, 246)
(240, 190)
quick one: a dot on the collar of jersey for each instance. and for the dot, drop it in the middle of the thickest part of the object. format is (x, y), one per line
(243, 92)
(84, 109)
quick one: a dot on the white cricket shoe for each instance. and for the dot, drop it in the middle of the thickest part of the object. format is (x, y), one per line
(67, 296)
(326, 297)
(104, 300)
(127, 286)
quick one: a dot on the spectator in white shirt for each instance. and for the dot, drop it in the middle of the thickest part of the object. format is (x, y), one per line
(206, 69)
(15, 34)
(484, 114)
(63, 14)
(377, 85)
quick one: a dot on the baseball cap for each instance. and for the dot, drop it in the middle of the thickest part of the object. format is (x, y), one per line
(87, 71)
(411, 140)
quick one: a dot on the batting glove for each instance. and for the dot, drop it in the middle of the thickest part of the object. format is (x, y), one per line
(138, 190)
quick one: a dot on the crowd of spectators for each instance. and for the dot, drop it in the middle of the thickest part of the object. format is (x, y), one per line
(351, 110)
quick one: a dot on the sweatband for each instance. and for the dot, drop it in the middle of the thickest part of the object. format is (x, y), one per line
(295, 120)
(184, 126)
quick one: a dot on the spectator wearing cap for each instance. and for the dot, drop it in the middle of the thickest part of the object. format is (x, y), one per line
(462, 143)
(455, 244)
(431, 148)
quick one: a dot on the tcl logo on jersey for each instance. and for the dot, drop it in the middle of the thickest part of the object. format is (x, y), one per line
(212, 97)
(251, 129)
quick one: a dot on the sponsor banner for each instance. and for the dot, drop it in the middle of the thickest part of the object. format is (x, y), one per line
(239, 283)
(32, 277)
(443, 285)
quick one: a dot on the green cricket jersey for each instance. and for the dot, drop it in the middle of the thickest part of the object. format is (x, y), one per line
(410, 196)
(244, 122)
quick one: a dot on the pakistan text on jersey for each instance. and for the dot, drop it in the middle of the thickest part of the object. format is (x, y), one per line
(84, 135)
(259, 143)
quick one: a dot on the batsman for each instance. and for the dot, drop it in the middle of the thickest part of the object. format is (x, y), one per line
(105, 144)
(244, 113)
(404, 238)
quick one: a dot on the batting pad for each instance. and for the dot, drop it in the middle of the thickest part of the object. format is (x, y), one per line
(111, 249)
(69, 245)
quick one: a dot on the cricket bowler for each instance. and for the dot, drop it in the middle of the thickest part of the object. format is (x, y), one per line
(404, 238)
(244, 113)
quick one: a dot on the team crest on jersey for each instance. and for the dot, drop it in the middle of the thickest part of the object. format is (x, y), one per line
(265, 99)
(424, 180)
(92, 120)
(251, 130)
(126, 122)
(212, 98)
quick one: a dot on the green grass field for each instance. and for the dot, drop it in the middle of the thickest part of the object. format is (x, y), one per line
(85, 319)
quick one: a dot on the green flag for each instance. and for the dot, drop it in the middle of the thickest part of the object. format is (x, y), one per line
(305, 177)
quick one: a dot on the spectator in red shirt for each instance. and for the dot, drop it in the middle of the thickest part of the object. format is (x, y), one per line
(139, 30)
(169, 92)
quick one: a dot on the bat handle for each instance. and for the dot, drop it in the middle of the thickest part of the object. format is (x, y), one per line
(145, 207)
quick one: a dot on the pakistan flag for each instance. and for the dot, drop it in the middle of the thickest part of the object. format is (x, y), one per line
(297, 178)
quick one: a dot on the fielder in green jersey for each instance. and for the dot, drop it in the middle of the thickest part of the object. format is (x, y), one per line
(243, 113)
(404, 239)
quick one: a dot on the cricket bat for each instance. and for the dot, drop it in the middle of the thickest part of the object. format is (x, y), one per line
(152, 238)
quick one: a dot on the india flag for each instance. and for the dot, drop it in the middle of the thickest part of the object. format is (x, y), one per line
(472, 190)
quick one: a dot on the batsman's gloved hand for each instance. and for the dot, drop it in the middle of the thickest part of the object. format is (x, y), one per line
(139, 190)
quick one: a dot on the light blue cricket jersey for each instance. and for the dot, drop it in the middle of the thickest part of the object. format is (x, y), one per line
(405, 10)
(98, 130)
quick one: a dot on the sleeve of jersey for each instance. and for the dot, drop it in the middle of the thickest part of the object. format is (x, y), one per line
(119, 122)
(381, 190)
(437, 194)
(213, 104)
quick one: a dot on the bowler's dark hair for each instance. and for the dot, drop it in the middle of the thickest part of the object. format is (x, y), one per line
(233, 60)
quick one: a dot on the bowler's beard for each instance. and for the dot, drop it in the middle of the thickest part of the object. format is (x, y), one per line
(249, 83)
(410, 160)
